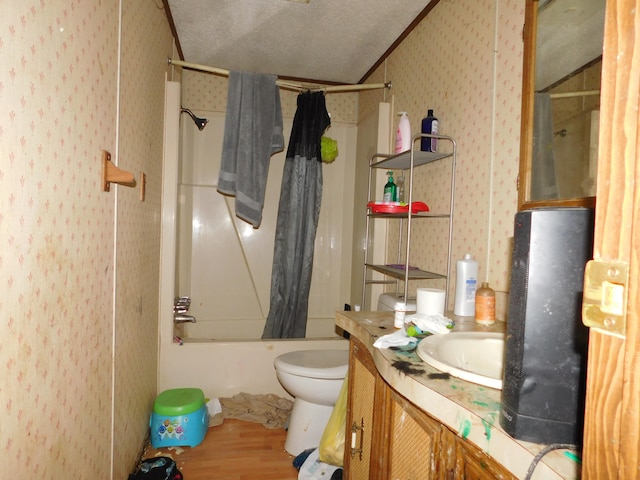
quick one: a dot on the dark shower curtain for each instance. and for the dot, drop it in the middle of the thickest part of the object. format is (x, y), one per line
(298, 212)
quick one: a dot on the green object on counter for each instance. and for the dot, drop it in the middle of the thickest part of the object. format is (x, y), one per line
(414, 331)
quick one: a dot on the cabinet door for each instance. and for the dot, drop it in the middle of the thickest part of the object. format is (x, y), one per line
(361, 407)
(473, 464)
(415, 443)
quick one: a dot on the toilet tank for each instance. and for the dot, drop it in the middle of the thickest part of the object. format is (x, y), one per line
(387, 301)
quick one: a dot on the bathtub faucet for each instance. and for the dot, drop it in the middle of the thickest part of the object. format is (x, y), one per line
(183, 318)
(180, 308)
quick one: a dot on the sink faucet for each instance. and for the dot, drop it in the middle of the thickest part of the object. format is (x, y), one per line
(183, 318)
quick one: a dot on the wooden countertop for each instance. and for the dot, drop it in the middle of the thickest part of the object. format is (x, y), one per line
(470, 410)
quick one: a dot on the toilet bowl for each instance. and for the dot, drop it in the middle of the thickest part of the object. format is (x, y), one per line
(314, 379)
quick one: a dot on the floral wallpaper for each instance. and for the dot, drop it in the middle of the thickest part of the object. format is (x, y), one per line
(79, 266)
(68, 249)
(464, 61)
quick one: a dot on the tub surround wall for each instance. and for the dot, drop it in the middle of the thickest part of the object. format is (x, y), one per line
(223, 263)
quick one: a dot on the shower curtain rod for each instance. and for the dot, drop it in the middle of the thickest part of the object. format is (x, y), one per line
(283, 83)
(574, 94)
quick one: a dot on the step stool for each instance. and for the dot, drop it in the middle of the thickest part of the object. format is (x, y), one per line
(180, 418)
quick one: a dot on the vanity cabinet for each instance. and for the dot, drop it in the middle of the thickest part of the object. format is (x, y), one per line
(407, 162)
(393, 439)
(365, 401)
(418, 447)
(473, 464)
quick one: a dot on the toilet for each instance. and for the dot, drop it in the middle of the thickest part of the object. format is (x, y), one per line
(314, 379)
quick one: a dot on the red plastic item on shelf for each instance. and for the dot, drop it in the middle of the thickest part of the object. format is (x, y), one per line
(386, 207)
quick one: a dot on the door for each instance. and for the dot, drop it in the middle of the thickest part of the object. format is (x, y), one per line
(612, 419)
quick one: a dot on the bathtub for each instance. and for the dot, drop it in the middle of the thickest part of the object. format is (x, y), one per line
(224, 367)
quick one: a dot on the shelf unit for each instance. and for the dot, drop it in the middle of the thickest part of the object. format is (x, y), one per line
(407, 162)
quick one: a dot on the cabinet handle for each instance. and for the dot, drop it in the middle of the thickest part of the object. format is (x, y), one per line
(354, 435)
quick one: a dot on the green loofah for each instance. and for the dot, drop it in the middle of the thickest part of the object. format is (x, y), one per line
(328, 149)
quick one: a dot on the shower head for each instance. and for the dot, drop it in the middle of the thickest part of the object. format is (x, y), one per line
(200, 122)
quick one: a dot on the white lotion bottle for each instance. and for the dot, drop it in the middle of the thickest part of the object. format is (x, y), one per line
(403, 134)
(466, 286)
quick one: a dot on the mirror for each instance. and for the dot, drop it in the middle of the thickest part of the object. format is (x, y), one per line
(560, 102)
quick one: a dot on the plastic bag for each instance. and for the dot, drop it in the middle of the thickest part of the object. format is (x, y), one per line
(331, 448)
(314, 469)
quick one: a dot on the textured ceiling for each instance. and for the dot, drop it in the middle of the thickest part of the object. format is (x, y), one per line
(327, 40)
(570, 34)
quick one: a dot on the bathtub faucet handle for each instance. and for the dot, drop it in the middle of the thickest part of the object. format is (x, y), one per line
(181, 304)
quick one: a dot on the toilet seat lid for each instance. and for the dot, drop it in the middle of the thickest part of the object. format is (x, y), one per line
(329, 364)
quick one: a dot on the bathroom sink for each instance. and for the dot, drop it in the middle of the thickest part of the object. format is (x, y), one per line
(477, 357)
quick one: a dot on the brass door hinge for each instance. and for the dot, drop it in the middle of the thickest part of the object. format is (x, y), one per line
(604, 301)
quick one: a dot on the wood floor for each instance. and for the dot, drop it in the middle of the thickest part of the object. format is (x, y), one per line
(237, 450)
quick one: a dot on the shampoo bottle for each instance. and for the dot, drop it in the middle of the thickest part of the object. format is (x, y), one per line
(390, 190)
(430, 126)
(403, 134)
(466, 284)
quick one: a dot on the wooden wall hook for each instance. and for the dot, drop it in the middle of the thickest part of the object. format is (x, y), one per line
(112, 174)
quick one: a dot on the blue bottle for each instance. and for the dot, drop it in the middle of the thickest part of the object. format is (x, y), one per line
(429, 125)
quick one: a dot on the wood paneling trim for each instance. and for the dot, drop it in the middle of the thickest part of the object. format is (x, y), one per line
(612, 425)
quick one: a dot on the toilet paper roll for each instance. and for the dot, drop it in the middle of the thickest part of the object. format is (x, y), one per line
(429, 301)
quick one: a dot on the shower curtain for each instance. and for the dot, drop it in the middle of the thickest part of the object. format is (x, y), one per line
(543, 164)
(298, 213)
